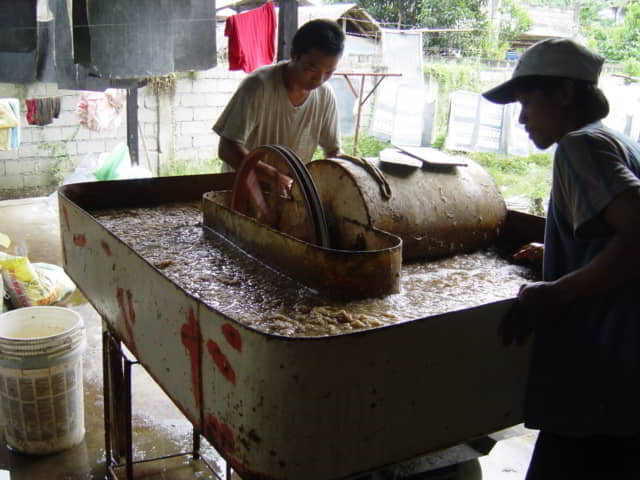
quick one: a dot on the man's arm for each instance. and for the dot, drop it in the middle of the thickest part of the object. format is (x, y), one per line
(617, 264)
(232, 153)
(619, 261)
(334, 153)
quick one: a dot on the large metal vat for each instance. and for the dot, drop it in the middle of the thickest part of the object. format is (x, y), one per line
(295, 408)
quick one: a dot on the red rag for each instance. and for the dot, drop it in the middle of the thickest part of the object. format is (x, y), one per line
(252, 38)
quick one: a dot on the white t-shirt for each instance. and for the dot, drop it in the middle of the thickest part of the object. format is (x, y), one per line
(260, 113)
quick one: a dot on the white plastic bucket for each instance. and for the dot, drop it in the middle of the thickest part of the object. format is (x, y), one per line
(41, 390)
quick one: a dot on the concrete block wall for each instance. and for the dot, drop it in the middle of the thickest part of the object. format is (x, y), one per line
(174, 127)
(199, 100)
(47, 152)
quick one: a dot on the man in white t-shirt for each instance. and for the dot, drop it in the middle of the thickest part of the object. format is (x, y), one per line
(287, 103)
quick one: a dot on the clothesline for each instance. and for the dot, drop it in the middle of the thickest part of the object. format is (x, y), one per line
(189, 20)
(128, 24)
(214, 20)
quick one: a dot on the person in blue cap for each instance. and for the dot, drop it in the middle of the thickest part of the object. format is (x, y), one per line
(583, 390)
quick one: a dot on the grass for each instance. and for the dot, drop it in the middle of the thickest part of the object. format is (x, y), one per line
(527, 177)
(191, 167)
(368, 146)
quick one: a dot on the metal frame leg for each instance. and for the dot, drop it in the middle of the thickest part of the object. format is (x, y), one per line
(107, 398)
(117, 364)
(128, 417)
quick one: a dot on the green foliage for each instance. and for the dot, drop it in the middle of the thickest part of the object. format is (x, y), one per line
(515, 21)
(452, 14)
(528, 177)
(439, 141)
(368, 146)
(456, 14)
(191, 167)
(58, 150)
(631, 67)
(616, 41)
(452, 77)
(402, 13)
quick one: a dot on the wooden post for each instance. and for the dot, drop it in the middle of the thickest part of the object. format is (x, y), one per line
(287, 26)
(132, 124)
(360, 103)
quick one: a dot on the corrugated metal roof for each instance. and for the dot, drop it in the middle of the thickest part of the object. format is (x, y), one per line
(358, 21)
(234, 4)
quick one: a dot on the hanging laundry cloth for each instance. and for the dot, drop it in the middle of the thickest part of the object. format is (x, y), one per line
(42, 111)
(8, 122)
(252, 38)
(14, 132)
(70, 75)
(101, 110)
(18, 41)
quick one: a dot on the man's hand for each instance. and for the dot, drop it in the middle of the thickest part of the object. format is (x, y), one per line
(266, 210)
(280, 183)
(257, 201)
(538, 304)
(531, 253)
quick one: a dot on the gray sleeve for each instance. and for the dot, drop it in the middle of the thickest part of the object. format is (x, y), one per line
(590, 175)
(330, 131)
(239, 116)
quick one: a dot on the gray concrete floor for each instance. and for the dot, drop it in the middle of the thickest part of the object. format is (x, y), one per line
(158, 426)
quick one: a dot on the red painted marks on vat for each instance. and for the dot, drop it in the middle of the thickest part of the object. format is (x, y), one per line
(219, 434)
(64, 252)
(192, 341)
(232, 335)
(79, 239)
(105, 247)
(247, 474)
(221, 361)
(66, 217)
(129, 315)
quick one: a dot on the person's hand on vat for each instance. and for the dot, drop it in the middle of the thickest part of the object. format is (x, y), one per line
(537, 304)
(531, 253)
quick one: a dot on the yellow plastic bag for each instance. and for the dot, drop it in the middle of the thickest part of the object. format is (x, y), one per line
(25, 286)
(3, 308)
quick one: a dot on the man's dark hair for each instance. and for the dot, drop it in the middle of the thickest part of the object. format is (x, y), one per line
(590, 103)
(324, 35)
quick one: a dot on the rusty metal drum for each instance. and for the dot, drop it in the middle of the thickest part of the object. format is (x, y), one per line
(436, 211)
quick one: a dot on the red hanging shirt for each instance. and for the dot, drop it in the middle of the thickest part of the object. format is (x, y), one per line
(252, 38)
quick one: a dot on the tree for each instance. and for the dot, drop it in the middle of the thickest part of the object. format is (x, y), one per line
(515, 20)
(619, 42)
(457, 14)
(401, 13)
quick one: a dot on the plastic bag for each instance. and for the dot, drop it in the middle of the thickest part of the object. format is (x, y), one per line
(116, 165)
(63, 284)
(101, 110)
(112, 162)
(84, 170)
(24, 284)
(3, 307)
(31, 285)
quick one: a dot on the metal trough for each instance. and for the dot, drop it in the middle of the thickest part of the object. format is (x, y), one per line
(371, 270)
(290, 408)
